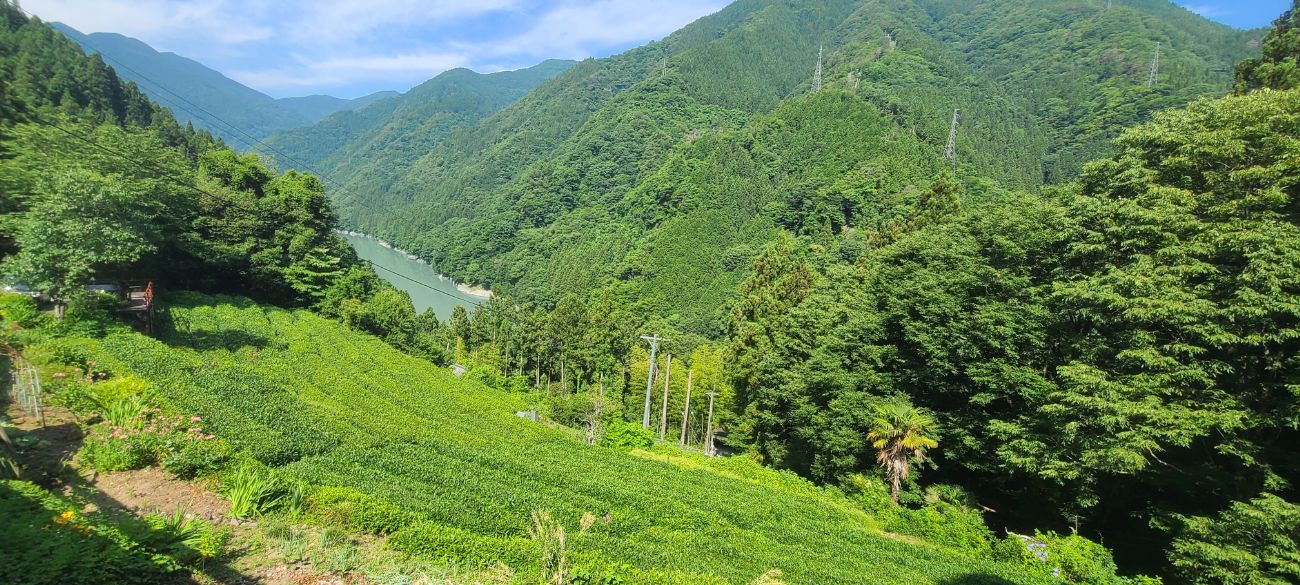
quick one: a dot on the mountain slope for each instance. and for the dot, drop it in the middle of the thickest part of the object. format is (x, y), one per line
(366, 149)
(567, 189)
(205, 97)
(339, 408)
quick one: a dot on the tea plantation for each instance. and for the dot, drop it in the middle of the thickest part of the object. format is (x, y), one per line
(338, 408)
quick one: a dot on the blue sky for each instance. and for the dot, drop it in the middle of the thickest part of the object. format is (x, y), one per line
(350, 48)
(1238, 13)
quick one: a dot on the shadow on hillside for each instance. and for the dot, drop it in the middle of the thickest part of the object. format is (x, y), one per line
(59, 549)
(976, 579)
(55, 444)
(227, 339)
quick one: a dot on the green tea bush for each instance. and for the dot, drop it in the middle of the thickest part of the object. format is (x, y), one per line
(452, 452)
(455, 545)
(358, 511)
(188, 457)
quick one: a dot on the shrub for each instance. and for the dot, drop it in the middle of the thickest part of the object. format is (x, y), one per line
(1071, 558)
(190, 457)
(947, 519)
(114, 389)
(90, 315)
(621, 434)
(187, 540)
(21, 309)
(358, 511)
(109, 448)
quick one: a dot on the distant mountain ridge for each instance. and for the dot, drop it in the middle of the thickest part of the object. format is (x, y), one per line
(367, 148)
(213, 98)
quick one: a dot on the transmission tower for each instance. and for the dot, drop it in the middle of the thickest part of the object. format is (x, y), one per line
(817, 74)
(1155, 68)
(950, 151)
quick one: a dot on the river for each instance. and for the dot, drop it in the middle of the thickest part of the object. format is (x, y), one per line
(400, 270)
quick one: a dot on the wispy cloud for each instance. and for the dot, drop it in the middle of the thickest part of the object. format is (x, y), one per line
(344, 70)
(1208, 10)
(355, 46)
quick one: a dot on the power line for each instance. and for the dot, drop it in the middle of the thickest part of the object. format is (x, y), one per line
(437, 290)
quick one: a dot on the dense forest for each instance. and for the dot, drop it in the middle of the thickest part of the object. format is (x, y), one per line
(1078, 333)
(596, 179)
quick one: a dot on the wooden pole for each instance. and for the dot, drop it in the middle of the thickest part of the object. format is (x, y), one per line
(663, 416)
(708, 429)
(653, 340)
(686, 412)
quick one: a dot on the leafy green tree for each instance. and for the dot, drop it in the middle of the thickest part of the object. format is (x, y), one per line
(312, 274)
(780, 281)
(81, 224)
(1279, 66)
(1255, 542)
(900, 434)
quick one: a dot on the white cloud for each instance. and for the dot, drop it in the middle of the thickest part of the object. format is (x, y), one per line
(326, 45)
(219, 21)
(575, 28)
(1207, 10)
(410, 67)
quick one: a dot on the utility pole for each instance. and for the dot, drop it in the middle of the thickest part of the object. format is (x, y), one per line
(686, 412)
(663, 416)
(950, 151)
(708, 429)
(817, 74)
(1155, 68)
(650, 376)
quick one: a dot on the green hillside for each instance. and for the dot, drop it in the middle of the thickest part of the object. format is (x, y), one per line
(577, 185)
(339, 408)
(344, 147)
(196, 94)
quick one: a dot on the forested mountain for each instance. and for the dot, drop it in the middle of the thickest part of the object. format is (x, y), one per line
(206, 98)
(662, 171)
(366, 149)
(1003, 365)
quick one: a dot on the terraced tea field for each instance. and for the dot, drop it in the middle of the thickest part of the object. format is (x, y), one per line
(340, 408)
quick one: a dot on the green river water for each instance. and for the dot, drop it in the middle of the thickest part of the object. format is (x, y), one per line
(400, 270)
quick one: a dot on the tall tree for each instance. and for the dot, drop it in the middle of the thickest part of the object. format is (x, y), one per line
(900, 433)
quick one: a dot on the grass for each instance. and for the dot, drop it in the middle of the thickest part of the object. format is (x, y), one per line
(337, 408)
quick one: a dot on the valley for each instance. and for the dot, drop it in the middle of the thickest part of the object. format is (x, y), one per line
(945, 292)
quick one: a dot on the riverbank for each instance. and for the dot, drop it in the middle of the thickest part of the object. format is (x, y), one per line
(413, 275)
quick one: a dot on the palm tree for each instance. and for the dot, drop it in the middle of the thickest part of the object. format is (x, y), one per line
(900, 433)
